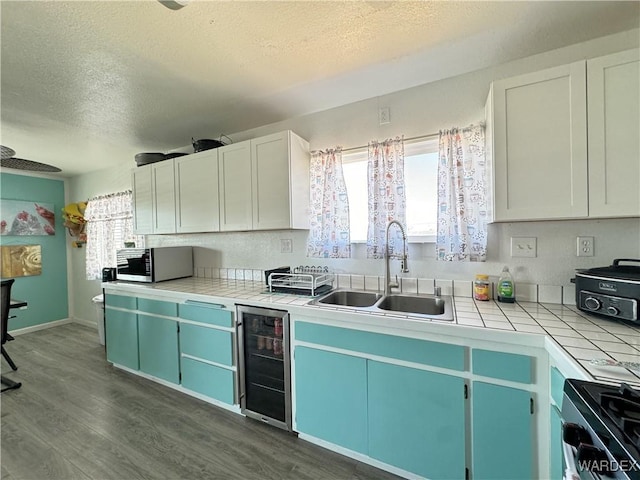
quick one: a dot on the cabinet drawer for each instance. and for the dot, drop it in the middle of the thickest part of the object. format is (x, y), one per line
(158, 307)
(506, 366)
(121, 301)
(402, 348)
(214, 382)
(207, 343)
(206, 313)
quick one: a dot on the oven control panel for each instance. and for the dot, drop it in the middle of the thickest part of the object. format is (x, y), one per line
(617, 307)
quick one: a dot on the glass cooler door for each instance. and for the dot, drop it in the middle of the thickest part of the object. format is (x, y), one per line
(263, 336)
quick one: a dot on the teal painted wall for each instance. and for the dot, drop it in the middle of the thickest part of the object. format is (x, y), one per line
(46, 293)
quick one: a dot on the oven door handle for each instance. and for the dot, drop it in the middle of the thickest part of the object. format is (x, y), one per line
(571, 461)
(570, 473)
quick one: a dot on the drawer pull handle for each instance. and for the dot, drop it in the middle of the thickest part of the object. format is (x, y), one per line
(204, 304)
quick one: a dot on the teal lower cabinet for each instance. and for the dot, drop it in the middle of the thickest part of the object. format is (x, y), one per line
(206, 343)
(209, 380)
(556, 454)
(331, 397)
(121, 331)
(502, 441)
(556, 457)
(417, 420)
(158, 344)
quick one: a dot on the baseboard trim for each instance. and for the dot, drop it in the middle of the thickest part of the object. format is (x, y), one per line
(86, 323)
(41, 326)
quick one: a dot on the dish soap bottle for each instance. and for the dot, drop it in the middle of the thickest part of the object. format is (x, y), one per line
(506, 288)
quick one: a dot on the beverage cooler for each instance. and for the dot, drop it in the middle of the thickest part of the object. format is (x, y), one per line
(264, 365)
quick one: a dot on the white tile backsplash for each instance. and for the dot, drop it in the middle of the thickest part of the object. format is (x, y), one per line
(446, 286)
(425, 285)
(408, 285)
(343, 281)
(462, 288)
(258, 275)
(549, 293)
(357, 282)
(525, 292)
(373, 283)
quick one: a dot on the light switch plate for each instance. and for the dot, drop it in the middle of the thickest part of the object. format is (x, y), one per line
(524, 247)
(286, 245)
(385, 115)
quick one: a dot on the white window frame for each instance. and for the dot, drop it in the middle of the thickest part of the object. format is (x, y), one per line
(411, 148)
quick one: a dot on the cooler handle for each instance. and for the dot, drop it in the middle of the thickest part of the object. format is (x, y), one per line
(618, 260)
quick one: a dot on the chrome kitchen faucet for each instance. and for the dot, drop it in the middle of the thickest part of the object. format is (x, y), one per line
(388, 285)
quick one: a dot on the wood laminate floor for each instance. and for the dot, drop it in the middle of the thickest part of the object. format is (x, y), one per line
(77, 417)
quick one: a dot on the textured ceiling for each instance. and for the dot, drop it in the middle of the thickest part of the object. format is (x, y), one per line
(86, 85)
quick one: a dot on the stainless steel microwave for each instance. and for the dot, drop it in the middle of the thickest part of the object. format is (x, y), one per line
(154, 264)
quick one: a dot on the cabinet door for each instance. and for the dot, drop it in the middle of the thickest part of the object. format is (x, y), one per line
(270, 182)
(502, 443)
(197, 203)
(556, 454)
(331, 397)
(121, 329)
(210, 380)
(164, 197)
(142, 200)
(540, 145)
(417, 420)
(234, 169)
(158, 343)
(614, 145)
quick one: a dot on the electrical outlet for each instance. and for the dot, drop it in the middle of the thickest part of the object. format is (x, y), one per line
(385, 115)
(585, 247)
(286, 245)
(524, 247)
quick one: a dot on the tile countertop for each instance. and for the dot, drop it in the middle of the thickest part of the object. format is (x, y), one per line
(580, 336)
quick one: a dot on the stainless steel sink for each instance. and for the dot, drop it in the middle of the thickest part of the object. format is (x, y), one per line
(420, 306)
(350, 298)
(402, 303)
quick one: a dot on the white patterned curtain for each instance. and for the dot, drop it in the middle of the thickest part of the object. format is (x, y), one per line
(462, 196)
(387, 200)
(109, 225)
(329, 218)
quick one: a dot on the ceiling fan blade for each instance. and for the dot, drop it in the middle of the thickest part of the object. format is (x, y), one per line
(6, 152)
(23, 164)
(174, 4)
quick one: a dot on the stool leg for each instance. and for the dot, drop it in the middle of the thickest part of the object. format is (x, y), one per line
(8, 359)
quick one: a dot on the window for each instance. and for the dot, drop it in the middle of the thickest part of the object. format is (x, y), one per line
(421, 182)
(109, 225)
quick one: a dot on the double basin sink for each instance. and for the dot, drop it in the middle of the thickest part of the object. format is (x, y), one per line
(422, 306)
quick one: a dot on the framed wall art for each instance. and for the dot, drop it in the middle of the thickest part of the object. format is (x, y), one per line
(19, 217)
(20, 260)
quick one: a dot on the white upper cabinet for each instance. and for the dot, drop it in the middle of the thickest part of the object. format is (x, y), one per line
(154, 198)
(259, 184)
(164, 197)
(234, 167)
(280, 182)
(142, 200)
(264, 183)
(547, 162)
(613, 94)
(539, 124)
(197, 203)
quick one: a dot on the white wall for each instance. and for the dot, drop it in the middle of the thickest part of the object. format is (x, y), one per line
(422, 110)
(80, 188)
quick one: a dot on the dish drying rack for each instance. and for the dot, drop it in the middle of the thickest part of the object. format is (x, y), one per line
(302, 280)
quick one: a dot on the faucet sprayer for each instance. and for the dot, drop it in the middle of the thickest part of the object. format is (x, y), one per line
(388, 285)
